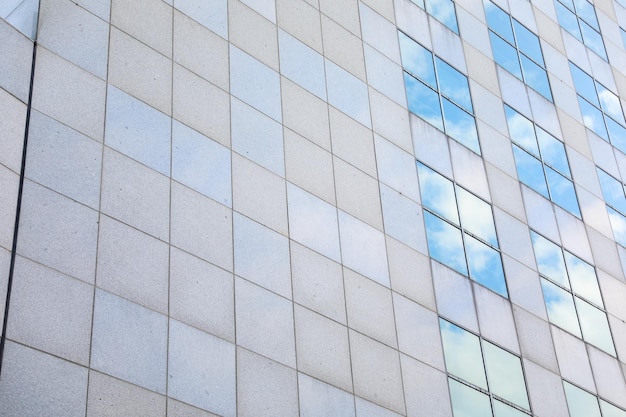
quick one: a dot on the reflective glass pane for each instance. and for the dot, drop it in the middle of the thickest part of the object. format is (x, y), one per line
(423, 101)
(420, 3)
(460, 125)
(530, 171)
(583, 278)
(610, 103)
(609, 410)
(595, 326)
(499, 21)
(593, 39)
(550, 261)
(584, 84)
(617, 133)
(560, 307)
(593, 118)
(502, 410)
(468, 402)
(453, 85)
(568, 21)
(522, 131)
(553, 152)
(417, 60)
(618, 224)
(528, 42)
(562, 191)
(612, 190)
(505, 55)
(536, 77)
(461, 350)
(585, 11)
(505, 376)
(445, 243)
(623, 36)
(437, 193)
(443, 10)
(476, 216)
(580, 403)
(485, 265)
(569, 4)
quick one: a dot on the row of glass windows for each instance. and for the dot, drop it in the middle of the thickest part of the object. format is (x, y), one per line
(482, 376)
(583, 404)
(541, 161)
(517, 49)
(571, 294)
(438, 93)
(578, 17)
(601, 109)
(460, 230)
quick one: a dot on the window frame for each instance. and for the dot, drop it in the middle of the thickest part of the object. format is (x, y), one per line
(580, 35)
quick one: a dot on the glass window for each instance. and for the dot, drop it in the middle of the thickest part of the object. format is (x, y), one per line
(481, 373)
(541, 161)
(460, 230)
(623, 36)
(613, 192)
(572, 294)
(442, 10)
(578, 17)
(517, 49)
(584, 404)
(438, 93)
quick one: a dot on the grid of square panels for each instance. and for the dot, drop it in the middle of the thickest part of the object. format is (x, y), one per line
(541, 161)
(438, 93)
(460, 230)
(517, 49)
(613, 192)
(571, 293)
(578, 17)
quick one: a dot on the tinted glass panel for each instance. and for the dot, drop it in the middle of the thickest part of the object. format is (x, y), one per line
(583, 278)
(505, 55)
(580, 403)
(549, 259)
(445, 243)
(612, 190)
(522, 131)
(502, 410)
(467, 402)
(476, 216)
(568, 21)
(610, 103)
(530, 171)
(536, 77)
(460, 125)
(499, 21)
(585, 11)
(528, 42)
(617, 134)
(609, 410)
(417, 60)
(505, 376)
(462, 354)
(437, 193)
(618, 223)
(443, 10)
(593, 39)
(553, 152)
(593, 119)
(562, 191)
(453, 85)
(423, 101)
(584, 84)
(560, 307)
(595, 326)
(485, 265)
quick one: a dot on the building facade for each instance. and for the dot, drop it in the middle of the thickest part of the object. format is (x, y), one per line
(364, 208)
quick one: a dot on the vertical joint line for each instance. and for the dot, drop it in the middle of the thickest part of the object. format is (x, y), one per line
(18, 209)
